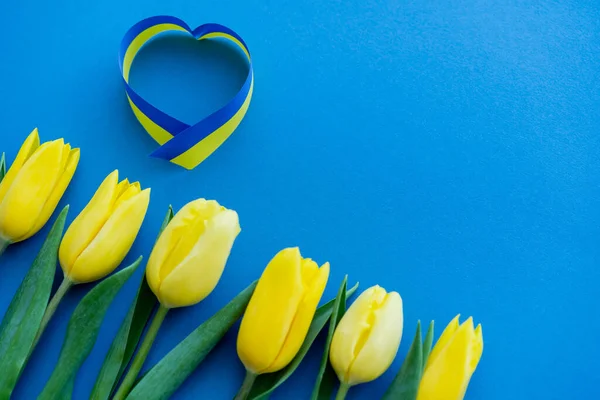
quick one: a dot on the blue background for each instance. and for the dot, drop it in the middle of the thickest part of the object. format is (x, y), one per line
(446, 151)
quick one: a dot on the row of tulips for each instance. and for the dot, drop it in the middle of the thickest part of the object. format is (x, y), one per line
(280, 312)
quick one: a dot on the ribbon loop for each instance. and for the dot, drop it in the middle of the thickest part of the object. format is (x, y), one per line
(183, 144)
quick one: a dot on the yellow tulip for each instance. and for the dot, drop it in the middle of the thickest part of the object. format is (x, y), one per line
(189, 257)
(452, 362)
(367, 338)
(33, 186)
(186, 264)
(280, 311)
(101, 236)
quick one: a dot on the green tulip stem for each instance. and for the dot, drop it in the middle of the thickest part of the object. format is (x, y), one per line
(51, 309)
(140, 357)
(3, 244)
(246, 386)
(342, 391)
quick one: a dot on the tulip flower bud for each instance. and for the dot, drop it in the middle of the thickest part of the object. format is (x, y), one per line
(190, 255)
(452, 362)
(101, 236)
(280, 311)
(367, 338)
(33, 186)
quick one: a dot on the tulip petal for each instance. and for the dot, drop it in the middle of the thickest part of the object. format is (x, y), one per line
(353, 330)
(112, 243)
(379, 349)
(444, 339)
(88, 223)
(30, 190)
(309, 270)
(129, 191)
(196, 276)
(315, 280)
(57, 192)
(178, 228)
(121, 188)
(186, 238)
(271, 311)
(476, 348)
(447, 378)
(27, 148)
(267, 383)
(189, 237)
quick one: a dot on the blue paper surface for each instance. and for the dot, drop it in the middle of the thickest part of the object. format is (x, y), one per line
(447, 150)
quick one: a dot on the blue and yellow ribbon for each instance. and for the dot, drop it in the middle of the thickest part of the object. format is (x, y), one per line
(183, 144)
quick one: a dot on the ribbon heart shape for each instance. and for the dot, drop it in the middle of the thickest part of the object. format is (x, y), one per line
(183, 144)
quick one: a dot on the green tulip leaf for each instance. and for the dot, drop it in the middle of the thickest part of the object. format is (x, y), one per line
(2, 166)
(83, 329)
(327, 379)
(267, 383)
(406, 383)
(165, 377)
(427, 344)
(166, 221)
(24, 315)
(67, 392)
(123, 346)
